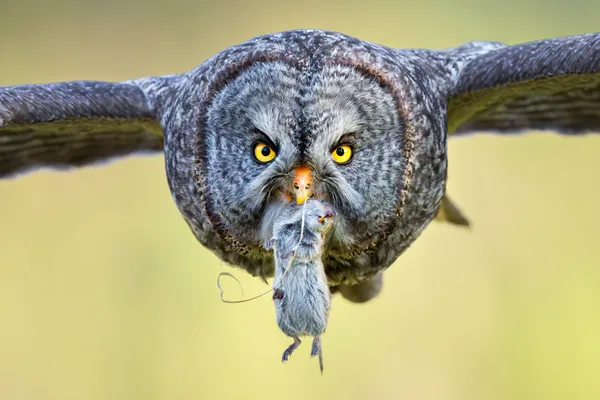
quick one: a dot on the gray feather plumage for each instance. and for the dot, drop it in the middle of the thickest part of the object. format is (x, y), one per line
(305, 89)
(71, 124)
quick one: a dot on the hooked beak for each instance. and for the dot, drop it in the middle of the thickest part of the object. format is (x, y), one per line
(303, 182)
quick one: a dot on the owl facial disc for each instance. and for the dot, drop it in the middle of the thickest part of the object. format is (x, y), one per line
(277, 133)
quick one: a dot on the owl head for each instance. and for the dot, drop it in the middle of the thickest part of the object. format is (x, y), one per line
(283, 119)
(275, 134)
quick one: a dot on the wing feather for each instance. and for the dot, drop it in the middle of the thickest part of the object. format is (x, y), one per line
(72, 124)
(549, 84)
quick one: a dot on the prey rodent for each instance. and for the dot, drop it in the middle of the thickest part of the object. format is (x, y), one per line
(300, 292)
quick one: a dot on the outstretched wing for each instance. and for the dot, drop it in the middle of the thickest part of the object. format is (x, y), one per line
(72, 124)
(547, 85)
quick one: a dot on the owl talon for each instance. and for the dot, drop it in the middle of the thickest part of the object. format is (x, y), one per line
(288, 352)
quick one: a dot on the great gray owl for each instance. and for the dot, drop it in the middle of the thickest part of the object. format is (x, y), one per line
(310, 113)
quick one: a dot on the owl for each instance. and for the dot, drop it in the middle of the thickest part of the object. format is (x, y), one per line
(310, 114)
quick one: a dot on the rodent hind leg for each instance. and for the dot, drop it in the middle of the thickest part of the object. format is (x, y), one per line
(288, 352)
(316, 351)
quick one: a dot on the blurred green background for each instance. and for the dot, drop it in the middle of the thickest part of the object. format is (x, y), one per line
(105, 294)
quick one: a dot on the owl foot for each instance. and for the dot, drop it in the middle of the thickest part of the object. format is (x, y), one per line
(316, 351)
(288, 352)
(363, 291)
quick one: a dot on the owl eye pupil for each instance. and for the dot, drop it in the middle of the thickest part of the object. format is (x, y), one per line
(263, 153)
(340, 151)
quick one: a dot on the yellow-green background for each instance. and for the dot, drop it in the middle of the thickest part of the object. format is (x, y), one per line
(105, 294)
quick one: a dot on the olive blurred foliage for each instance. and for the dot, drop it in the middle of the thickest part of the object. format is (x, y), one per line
(105, 294)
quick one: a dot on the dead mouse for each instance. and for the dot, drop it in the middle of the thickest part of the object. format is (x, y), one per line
(301, 295)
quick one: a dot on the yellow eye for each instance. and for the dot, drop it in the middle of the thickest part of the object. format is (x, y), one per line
(264, 153)
(342, 154)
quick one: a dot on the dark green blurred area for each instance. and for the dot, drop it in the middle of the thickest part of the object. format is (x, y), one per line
(105, 294)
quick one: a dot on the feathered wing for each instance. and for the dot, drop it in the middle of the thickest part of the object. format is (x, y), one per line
(72, 124)
(546, 85)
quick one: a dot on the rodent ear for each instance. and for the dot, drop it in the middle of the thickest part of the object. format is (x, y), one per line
(269, 244)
